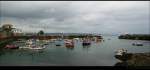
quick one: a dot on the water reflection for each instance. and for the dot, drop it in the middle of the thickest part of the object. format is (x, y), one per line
(69, 44)
(27, 52)
(2, 52)
(103, 55)
(70, 47)
(88, 46)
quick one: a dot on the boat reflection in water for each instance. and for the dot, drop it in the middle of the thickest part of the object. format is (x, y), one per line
(86, 43)
(87, 46)
(99, 40)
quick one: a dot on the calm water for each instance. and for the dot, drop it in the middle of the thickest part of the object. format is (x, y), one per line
(98, 54)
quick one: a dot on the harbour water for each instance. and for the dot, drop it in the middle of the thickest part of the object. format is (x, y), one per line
(98, 54)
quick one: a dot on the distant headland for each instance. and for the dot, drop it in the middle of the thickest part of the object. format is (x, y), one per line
(135, 36)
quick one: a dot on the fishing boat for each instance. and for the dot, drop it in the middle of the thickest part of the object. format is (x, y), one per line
(29, 42)
(86, 42)
(33, 47)
(69, 43)
(11, 46)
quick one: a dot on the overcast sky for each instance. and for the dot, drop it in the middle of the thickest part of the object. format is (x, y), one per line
(77, 16)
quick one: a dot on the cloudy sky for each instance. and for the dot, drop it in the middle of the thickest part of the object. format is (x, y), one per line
(77, 16)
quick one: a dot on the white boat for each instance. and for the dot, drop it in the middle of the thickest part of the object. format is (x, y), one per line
(32, 47)
(76, 38)
(29, 42)
(24, 47)
(36, 48)
(137, 44)
(37, 40)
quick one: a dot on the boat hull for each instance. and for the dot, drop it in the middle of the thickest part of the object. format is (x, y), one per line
(85, 44)
(11, 47)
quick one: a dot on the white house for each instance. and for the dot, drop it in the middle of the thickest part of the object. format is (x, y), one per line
(17, 32)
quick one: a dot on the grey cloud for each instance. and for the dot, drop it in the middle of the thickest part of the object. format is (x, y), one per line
(68, 16)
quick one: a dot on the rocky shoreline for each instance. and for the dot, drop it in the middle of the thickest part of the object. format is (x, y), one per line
(139, 59)
(136, 59)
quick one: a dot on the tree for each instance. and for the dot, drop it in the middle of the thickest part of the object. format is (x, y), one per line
(41, 32)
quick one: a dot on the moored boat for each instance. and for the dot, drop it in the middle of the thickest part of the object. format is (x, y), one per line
(69, 43)
(30, 44)
(77, 39)
(58, 42)
(33, 47)
(137, 44)
(11, 46)
(86, 42)
(37, 48)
